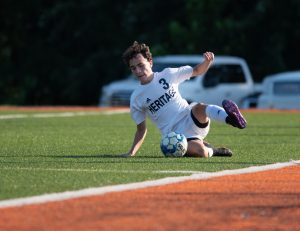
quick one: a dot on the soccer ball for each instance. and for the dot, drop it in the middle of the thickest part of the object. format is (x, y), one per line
(173, 144)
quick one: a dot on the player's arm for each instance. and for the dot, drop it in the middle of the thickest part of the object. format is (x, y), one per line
(140, 134)
(203, 67)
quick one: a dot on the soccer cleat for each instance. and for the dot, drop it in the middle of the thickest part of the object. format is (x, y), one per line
(223, 152)
(235, 118)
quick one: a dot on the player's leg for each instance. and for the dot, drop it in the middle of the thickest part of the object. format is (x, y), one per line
(195, 126)
(196, 148)
(229, 114)
(195, 129)
(199, 148)
(203, 112)
(200, 119)
(199, 113)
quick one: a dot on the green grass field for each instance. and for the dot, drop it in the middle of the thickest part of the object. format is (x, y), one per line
(46, 155)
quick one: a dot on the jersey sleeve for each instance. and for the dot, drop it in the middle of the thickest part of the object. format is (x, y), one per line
(137, 114)
(180, 74)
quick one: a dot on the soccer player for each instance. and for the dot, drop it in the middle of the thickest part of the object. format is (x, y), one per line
(158, 97)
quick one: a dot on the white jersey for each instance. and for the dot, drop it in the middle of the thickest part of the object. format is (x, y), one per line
(160, 99)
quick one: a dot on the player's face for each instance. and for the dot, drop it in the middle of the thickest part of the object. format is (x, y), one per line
(141, 68)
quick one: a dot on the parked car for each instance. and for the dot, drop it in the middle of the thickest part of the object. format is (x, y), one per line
(229, 77)
(281, 91)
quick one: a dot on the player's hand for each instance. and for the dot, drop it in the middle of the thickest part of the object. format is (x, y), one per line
(209, 56)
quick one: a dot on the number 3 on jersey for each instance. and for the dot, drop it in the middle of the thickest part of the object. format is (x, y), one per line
(164, 83)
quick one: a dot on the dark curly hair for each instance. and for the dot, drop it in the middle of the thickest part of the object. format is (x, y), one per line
(134, 49)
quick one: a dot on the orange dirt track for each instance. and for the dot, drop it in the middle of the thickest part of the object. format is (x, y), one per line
(268, 200)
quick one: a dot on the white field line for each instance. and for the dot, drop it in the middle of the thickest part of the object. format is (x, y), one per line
(61, 114)
(53, 197)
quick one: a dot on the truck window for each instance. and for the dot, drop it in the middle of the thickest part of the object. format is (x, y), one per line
(287, 88)
(217, 74)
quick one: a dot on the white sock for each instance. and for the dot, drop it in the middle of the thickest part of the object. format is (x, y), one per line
(210, 152)
(216, 113)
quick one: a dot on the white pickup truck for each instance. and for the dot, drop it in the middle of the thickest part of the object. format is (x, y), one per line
(280, 91)
(229, 77)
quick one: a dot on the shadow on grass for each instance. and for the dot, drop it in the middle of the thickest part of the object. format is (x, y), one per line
(161, 158)
(106, 156)
(112, 158)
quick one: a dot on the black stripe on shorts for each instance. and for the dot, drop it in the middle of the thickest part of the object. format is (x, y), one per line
(198, 124)
(192, 138)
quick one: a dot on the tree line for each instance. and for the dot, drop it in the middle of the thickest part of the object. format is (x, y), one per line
(61, 52)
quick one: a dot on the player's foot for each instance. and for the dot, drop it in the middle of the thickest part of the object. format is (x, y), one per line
(224, 152)
(235, 118)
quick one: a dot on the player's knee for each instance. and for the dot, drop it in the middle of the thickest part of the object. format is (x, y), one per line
(202, 151)
(198, 151)
(200, 107)
(199, 113)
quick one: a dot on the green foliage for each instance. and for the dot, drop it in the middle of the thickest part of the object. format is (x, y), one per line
(44, 155)
(62, 52)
